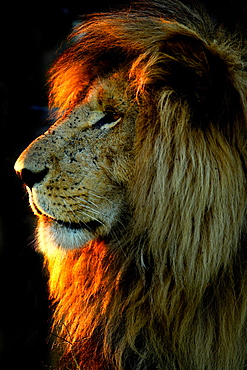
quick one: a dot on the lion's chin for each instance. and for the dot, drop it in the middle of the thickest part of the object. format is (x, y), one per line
(56, 234)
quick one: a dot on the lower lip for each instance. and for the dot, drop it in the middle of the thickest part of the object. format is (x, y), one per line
(63, 235)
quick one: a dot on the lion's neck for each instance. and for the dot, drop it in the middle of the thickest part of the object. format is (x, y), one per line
(106, 301)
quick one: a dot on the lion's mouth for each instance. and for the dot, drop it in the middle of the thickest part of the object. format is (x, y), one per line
(89, 226)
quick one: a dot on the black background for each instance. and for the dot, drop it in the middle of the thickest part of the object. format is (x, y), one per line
(31, 34)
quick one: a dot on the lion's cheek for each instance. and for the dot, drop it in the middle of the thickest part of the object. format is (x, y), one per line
(118, 167)
(123, 169)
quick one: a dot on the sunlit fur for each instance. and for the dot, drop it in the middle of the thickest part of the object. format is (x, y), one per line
(169, 292)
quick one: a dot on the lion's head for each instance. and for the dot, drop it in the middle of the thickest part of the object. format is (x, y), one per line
(79, 170)
(140, 192)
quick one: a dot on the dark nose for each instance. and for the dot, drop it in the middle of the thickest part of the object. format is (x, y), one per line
(30, 178)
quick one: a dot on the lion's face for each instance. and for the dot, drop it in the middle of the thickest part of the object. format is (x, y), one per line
(77, 172)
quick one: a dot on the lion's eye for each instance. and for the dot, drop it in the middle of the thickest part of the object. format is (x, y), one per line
(109, 120)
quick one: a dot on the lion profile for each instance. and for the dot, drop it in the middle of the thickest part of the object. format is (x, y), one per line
(140, 193)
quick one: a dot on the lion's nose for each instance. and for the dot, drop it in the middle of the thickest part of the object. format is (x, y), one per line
(30, 178)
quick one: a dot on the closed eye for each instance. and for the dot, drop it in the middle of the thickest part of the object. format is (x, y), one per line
(109, 120)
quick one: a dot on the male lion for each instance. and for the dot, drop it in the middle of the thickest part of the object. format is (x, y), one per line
(140, 193)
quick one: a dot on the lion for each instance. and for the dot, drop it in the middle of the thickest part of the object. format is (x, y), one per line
(139, 188)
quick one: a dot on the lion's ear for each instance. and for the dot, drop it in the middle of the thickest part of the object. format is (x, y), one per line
(203, 76)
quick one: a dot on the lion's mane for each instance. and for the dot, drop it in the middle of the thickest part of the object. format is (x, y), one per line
(170, 291)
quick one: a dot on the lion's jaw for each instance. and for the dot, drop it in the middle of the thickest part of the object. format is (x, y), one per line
(86, 160)
(53, 233)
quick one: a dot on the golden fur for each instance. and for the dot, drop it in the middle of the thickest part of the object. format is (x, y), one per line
(161, 283)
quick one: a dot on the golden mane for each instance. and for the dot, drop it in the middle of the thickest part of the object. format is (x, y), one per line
(170, 291)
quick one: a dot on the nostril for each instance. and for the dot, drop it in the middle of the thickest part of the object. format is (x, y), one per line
(30, 178)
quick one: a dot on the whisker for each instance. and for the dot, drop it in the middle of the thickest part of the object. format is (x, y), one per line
(91, 202)
(82, 212)
(70, 209)
(100, 196)
(82, 206)
(94, 218)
